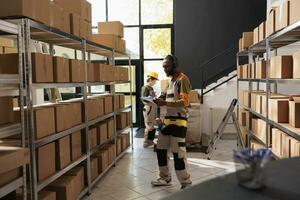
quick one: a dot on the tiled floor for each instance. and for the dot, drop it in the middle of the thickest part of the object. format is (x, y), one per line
(130, 179)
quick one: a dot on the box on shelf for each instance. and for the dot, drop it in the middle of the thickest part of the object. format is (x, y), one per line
(111, 153)
(256, 101)
(114, 28)
(102, 133)
(95, 108)
(45, 161)
(63, 121)
(63, 152)
(282, 15)
(122, 101)
(279, 144)
(271, 23)
(75, 24)
(108, 104)
(77, 71)
(78, 181)
(281, 67)
(255, 35)
(102, 160)
(66, 27)
(61, 70)
(64, 187)
(294, 11)
(245, 71)
(46, 195)
(253, 70)
(9, 176)
(9, 50)
(244, 117)
(260, 72)
(295, 148)
(56, 16)
(6, 42)
(6, 110)
(42, 68)
(247, 40)
(94, 167)
(93, 137)
(239, 72)
(11, 60)
(121, 120)
(76, 145)
(44, 121)
(109, 40)
(128, 118)
(125, 140)
(90, 72)
(117, 102)
(73, 6)
(119, 145)
(296, 64)
(279, 108)
(294, 112)
(262, 31)
(110, 128)
(247, 98)
(87, 11)
(76, 109)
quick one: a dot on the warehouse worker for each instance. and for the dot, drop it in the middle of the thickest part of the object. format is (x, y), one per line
(173, 132)
(149, 110)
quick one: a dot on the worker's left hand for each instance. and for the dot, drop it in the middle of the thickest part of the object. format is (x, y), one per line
(160, 102)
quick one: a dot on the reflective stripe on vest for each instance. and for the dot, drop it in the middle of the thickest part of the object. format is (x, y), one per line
(177, 122)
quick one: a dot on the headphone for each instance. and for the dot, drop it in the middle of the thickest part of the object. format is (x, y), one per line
(173, 59)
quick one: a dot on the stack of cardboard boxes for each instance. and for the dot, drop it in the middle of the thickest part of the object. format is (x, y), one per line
(110, 34)
(7, 46)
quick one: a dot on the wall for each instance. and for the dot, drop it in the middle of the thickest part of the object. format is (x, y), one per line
(204, 28)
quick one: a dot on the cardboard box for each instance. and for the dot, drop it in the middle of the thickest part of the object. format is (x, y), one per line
(294, 112)
(108, 104)
(77, 71)
(12, 158)
(45, 161)
(281, 67)
(240, 72)
(262, 31)
(102, 133)
(76, 119)
(117, 102)
(119, 145)
(10, 176)
(76, 145)
(110, 128)
(78, 181)
(121, 45)
(125, 140)
(107, 40)
(63, 152)
(279, 109)
(128, 118)
(295, 148)
(260, 72)
(61, 117)
(95, 108)
(254, 125)
(121, 120)
(94, 167)
(64, 188)
(294, 11)
(56, 16)
(6, 110)
(66, 22)
(90, 72)
(296, 64)
(243, 117)
(247, 40)
(271, 23)
(122, 101)
(282, 15)
(42, 68)
(6, 42)
(114, 28)
(9, 50)
(43, 11)
(44, 121)
(93, 137)
(194, 96)
(46, 195)
(276, 142)
(61, 70)
(255, 35)
(245, 71)
(253, 71)
(111, 153)
(11, 60)
(75, 24)
(102, 160)
(86, 11)
(247, 98)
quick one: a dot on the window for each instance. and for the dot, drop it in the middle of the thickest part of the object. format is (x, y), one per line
(157, 11)
(98, 11)
(125, 11)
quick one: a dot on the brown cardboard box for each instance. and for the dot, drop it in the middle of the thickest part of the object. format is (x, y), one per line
(90, 72)
(239, 72)
(95, 107)
(295, 148)
(285, 145)
(76, 145)
(276, 142)
(43, 11)
(244, 117)
(194, 96)
(44, 121)
(281, 67)
(76, 119)
(260, 72)
(99, 72)
(122, 101)
(12, 158)
(125, 140)
(75, 24)
(63, 152)
(56, 16)
(294, 112)
(121, 45)
(42, 68)
(255, 35)
(100, 106)
(254, 125)
(46, 195)
(110, 128)
(271, 23)
(10, 176)
(119, 145)
(282, 15)
(245, 71)
(61, 116)
(106, 40)
(77, 72)
(45, 161)
(102, 132)
(66, 22)
(108, 104)
(121, 120)
(94, 168)
(253, 71)
(128, 118)
(117, 102)
(111, 153)
(6, 110)
(262, 31)
(11, 60)
(61, 69)
(64, 188)
(78, 181)
(93, 137)
(296, 64)
(6, 42)
(86, 11)
(279, 109)
(102, 160)
(114, 28)
(294, 11)
(247, 98)
(74, 6)
(247, 40)
(9, 50)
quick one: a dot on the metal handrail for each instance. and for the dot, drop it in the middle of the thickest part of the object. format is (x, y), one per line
(227, 80)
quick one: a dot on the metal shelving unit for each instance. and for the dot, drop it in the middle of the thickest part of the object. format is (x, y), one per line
(17, 83)
(262, 50)
(36, 31)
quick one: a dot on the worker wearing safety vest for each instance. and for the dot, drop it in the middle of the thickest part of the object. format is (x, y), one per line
(149, 110)
(173, 129)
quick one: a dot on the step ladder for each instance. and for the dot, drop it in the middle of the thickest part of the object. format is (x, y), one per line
(218, 134)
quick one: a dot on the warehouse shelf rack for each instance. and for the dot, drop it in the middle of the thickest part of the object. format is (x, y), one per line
(36, 31)
(263, 49)
(18, 82)
(101, 146)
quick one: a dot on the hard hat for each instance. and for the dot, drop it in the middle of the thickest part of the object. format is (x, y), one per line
(153, 75)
